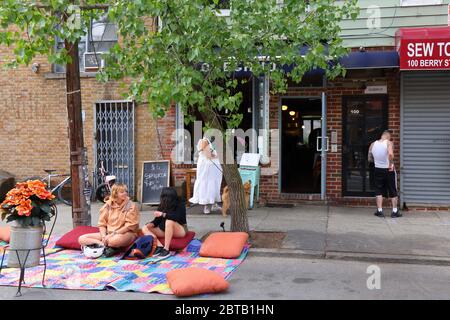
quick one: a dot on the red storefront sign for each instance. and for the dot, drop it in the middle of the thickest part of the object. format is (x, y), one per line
(424, 48)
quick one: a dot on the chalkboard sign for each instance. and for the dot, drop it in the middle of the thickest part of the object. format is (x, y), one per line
(155, 176)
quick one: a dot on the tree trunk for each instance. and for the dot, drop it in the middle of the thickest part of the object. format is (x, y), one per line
(238, 207)
(80, 207)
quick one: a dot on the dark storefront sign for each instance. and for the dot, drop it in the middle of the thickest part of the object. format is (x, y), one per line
(424, 48)
(354, 60)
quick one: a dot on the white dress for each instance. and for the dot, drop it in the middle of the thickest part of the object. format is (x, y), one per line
(208, 180)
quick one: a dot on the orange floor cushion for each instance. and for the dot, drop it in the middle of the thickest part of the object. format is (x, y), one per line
(187, 282)
(227, 245)
(5, 233)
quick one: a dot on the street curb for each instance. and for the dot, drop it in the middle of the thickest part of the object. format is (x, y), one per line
(286, 253)
(351, 256)
(388, 258)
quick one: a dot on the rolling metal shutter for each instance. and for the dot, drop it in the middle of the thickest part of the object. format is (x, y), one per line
(425, 136)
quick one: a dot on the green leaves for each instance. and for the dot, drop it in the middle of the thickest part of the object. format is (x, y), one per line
(164, 64)
(170, 62)
(36, 28)
(193, 54)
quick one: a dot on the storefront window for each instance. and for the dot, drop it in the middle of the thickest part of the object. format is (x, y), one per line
(254, 108)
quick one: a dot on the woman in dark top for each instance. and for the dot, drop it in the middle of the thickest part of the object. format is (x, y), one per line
(169, 222)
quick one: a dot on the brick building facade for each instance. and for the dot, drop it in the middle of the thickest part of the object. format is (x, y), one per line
(335, 91)
(33, 128)
(34, 118)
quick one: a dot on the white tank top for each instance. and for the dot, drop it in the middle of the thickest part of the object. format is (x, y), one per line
(381, 154)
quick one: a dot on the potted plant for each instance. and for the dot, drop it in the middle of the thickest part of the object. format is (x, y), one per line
(27, 207)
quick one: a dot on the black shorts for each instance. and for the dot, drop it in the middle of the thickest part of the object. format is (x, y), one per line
(385, 183)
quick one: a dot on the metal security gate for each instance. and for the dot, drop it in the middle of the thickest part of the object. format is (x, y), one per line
(114, 141)
(425, 138)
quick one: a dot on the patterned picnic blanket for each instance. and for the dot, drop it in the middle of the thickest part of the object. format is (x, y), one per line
(151, 277)
(69, 269)
(49, 249)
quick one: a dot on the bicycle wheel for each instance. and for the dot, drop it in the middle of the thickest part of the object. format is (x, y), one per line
(65, 192)
(102, 192)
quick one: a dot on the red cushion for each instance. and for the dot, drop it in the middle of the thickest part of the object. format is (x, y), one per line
(180, 243)
(70, 239)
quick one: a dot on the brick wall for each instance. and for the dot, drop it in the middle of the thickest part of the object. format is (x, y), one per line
(33, 125)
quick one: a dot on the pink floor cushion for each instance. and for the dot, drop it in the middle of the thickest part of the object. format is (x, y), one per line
(70, 239)
(180, 243)
(5, 233)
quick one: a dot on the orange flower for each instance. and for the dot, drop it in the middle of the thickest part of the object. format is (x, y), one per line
(18, 197)
(13, 197)
(39, 189)
(45, 195)
(24, 209)
(36, 184)
(21, 185)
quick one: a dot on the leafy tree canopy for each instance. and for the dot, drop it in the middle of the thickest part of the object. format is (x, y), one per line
(188, 60)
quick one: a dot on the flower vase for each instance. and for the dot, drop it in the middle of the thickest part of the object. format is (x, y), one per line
(25, 238)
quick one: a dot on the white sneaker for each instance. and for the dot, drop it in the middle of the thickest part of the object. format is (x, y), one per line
(216, 207)
(206, 210)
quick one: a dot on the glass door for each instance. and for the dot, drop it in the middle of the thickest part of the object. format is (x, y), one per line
(364, 119)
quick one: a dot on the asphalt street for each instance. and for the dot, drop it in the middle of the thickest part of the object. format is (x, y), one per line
(295, 278)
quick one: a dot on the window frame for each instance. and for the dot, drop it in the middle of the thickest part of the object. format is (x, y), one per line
(87, 43)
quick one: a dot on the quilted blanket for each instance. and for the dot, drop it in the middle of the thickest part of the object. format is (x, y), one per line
(69, 269)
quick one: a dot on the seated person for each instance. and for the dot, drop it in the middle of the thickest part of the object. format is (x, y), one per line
(169, 222)
(118, 223)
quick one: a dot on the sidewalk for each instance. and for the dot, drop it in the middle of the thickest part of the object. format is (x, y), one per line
(328, 232)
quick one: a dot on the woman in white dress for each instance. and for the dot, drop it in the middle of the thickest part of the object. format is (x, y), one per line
(209, 177)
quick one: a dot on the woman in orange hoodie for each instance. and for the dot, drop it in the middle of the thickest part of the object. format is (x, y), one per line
(118, 223)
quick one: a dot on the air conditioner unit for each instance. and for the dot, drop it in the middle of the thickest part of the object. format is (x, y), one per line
(93, 61)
